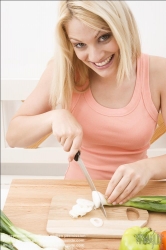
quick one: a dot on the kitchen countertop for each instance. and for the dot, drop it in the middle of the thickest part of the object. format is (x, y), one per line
(28, 202)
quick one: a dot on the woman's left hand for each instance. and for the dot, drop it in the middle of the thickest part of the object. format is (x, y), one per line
(127, 181)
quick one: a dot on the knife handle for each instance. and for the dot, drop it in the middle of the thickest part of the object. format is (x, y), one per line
(76, 157)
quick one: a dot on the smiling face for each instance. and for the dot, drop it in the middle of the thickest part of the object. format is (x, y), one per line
(97, 49)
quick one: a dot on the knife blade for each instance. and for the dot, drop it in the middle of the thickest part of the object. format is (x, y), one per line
(88, 178)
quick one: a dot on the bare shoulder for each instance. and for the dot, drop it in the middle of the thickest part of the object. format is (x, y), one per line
(158, 69)
(157, 80)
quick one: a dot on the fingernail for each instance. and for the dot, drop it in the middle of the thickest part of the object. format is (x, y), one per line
(114, 203)
(106, 197)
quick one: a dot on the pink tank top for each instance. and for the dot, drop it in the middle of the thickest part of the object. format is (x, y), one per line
(112, 137)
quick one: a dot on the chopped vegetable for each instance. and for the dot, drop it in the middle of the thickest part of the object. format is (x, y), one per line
(96, 198)
(137, 238)
(85, 202)
(97, 222)
(40, 241)
(82, 207)
(150, 203)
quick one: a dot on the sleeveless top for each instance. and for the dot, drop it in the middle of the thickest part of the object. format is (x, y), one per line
(112, 137)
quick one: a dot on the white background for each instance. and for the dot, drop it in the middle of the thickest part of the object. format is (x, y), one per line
(27, 36)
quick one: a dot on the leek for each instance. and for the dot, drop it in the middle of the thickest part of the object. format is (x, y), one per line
(42, 241)
(18, 244)
(6, 246)
(150, 203)
(3, 247)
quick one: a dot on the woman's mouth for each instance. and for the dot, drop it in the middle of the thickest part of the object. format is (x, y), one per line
(105, 63)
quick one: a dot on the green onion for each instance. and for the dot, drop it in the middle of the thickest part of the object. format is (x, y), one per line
(6, 246)
(150, 203)
(42, 241)
(3, 247)
(18, 244)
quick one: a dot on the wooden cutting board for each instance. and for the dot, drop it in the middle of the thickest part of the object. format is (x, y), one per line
(118, 219)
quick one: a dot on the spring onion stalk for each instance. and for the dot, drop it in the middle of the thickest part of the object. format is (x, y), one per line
(7, 227)
(18, 244)
(150, 203)
(6, 246)
(15, 244)
(42, 241)
(45, 241)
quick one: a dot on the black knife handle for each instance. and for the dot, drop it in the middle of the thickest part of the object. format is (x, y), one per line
(76, 157)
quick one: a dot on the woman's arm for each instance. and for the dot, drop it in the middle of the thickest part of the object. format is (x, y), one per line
(35, 119)
(32, 120)
(129, 179)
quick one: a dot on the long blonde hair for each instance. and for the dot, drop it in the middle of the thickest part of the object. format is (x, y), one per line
(70, 72)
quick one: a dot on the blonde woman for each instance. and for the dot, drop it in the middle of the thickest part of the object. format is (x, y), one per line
(110, 95)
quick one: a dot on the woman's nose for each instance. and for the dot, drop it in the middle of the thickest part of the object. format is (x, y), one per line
(94, 54)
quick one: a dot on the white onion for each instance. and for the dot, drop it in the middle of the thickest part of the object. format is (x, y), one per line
(103, 199)
(96, 199)
(85, 202)
(84, 206)
(80, 209)
(97, 222)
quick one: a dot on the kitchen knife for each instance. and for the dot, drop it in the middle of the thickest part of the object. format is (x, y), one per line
(87, 176)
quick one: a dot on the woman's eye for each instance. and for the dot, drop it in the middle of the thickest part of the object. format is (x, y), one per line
(79, 45)
(104, 37)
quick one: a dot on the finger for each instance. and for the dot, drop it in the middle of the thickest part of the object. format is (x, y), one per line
(62, 140)
(132, 193)
(58, 137)
(116, 178)
(118, 190)
(67, 143)
(127, 191)
(75, 147)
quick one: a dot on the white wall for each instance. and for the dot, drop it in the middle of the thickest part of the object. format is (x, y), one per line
(28, 33)
(151, 18)
(27, 38)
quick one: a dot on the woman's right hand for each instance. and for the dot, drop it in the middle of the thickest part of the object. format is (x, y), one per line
(67, 131)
